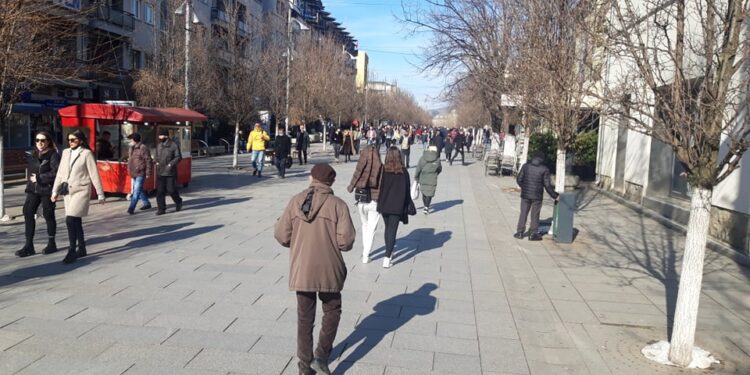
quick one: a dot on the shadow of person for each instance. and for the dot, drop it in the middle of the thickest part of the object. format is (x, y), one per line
(373, 329)
(416, 242)
(441, 206)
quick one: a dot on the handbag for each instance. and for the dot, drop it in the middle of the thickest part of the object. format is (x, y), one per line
(363, 195)
(415, 190)
(288, 162)
(64, 188)
(411, 210)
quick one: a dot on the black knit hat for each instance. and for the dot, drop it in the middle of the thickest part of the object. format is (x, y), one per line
(164, 131)
(135, 136)
(323, 173)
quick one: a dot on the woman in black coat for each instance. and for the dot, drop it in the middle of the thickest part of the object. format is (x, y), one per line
(42, 167)
(394, 200)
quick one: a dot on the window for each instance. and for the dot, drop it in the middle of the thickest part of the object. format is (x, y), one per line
(136, 59)
(148, 14)
(135, 8)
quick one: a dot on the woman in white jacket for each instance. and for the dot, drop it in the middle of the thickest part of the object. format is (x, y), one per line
(75, 176)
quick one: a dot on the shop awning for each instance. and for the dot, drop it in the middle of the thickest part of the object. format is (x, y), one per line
(131, 114)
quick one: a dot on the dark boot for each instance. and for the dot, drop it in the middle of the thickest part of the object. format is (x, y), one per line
(81, 250)
(519, 235)
(535, 237)
(320, 366)
(51, 246)
(26, 251)
(71, 257)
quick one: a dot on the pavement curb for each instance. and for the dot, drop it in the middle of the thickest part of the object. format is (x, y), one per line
(712, 244)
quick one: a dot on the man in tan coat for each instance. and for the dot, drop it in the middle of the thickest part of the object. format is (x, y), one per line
(317, 227)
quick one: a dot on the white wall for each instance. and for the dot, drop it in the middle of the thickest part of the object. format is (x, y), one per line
(607, 146)
(637, 158)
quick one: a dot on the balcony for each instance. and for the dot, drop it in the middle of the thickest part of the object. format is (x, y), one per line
(222, 17)
(115, 17)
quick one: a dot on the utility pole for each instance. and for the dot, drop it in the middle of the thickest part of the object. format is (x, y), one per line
(288, 62)
(186, 101)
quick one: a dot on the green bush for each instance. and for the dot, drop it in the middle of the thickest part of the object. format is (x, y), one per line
(585, 149)
(546, 144)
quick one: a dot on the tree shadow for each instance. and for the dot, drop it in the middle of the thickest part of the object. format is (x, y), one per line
(444, 205)
(373, 329)
(416, 242)
(57, 268)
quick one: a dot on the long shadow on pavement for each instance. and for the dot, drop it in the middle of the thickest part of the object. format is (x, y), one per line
(444, 205)
(416, 242)
(57, 268)
(373, 329)
(149, 231)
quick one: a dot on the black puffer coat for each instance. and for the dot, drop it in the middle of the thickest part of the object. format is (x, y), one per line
(534, 179)
(45, 167)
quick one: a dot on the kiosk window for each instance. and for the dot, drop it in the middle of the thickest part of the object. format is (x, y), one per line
(108, 143)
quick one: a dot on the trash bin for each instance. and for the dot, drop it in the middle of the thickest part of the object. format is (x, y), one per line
(562, 226)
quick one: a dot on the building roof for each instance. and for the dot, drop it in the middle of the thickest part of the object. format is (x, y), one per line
(133, 114)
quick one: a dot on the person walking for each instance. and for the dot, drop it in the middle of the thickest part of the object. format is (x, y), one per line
(336, 140)
(139, 168)
(428, 169)
(42, 165)
(281, 150)
(168, 156)
(317, 227)
(394, 199)
(365, 182)
(448, 149)
(303, 144)
(74, 178)
(406, 141)
(458, 147)
(439, 141)
(533, 180)
(256, 142)
(347, 147)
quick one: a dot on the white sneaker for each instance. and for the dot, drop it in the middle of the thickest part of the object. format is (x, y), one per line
(365, 259)
(387, 262)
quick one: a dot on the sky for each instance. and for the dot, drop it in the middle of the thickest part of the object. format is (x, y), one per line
(392, 51)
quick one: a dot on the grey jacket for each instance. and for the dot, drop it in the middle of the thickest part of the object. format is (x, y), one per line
(428, 169)
(168, 155)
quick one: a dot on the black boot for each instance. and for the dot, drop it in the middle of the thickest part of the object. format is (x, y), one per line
(81, 250)
(71, 257)
(26, 251)
(320, 366)
(51, 246)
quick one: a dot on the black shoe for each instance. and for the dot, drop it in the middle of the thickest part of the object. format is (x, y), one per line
(255, 172)
(259, 175)
(51, 247)
(178, 206)
(535, 237)
(146, 207)
(308, 371)
(131, 211)
(160, 212)
(27, 251)
(71, 257)
(320, 366)
(81, 251)
(519, 235)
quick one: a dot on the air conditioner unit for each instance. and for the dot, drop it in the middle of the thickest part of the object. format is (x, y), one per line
(88, 94)
(72, 93)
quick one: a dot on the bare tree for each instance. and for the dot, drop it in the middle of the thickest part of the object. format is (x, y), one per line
(37, 40)
(678, 73)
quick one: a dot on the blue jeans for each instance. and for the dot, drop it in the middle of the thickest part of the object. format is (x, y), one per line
(257, 158)
(138, 193)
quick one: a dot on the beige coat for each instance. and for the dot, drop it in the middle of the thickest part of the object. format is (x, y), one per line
(82, 175)
(316, 240)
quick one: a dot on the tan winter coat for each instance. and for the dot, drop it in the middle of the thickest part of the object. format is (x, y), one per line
(367, 172)
(316, 240)
(82, 175)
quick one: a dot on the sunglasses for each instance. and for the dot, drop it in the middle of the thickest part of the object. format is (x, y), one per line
(41, 140)
(73, 140)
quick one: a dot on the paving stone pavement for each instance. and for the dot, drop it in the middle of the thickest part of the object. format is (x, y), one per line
(204, 291)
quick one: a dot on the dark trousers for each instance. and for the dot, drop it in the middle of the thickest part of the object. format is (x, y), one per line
(391, 228)
(456, 152)
(75, 232)
(405, 155)
(426, 200)
(166, 185)
(306, 302)
(30, 207)
(302, 154)
(281, 166)
(336, 150)
(535, 206)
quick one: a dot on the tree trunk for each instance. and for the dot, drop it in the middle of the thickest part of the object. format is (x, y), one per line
(691, 277)
(236, 143)
(560, 171)
(3, 216)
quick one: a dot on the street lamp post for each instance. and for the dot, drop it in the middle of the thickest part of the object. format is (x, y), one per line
(288, 63)
(186, 100)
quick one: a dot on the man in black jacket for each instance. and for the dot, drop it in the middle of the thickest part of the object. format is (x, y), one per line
(303, 143)
(281, 149)
(168, 156)
(458, 147)
(533, 180)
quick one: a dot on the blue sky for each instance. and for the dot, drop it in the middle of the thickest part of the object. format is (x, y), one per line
(393, 52)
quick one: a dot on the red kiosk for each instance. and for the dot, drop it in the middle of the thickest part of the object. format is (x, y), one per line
(98, 120)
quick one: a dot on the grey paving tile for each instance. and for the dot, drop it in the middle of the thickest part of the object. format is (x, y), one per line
(73, 349)
(129, 334)
(457, 364)
(10, 338)
(503, 355)
(12, 362)
(44, 327)
(62, 365)
(436, 344)
(202, 323)
(143, 369)
(152, 355)
(245, 363)
(213, 340)
(460, 331)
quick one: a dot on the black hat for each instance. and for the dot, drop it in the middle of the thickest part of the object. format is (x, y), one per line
(323, 173)
(164, 131)
(135, 136)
